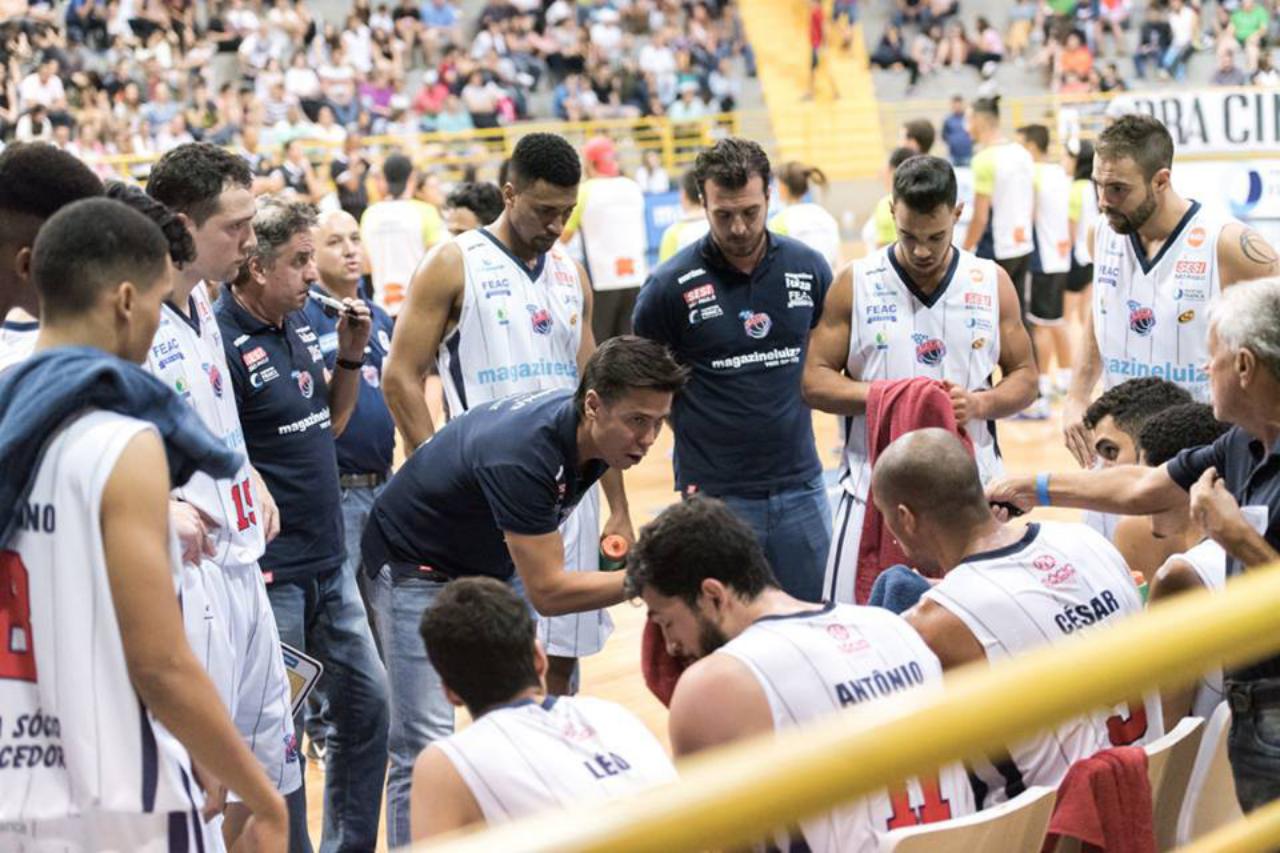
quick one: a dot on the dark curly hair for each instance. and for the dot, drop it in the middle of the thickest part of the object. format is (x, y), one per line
(1139, 137)
(182, 247)
(693, 540)
(731, 163)
(480, 197)
(191, 178)
(547, 157)
(38, 180)
(1173, 430)
(1133, 402)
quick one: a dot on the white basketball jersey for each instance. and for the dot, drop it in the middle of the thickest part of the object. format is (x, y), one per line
(1210, 564)
(1152, 319)
(187, 355)
(819, 662)
(1052, 229)
(1060, 578)
(76, 736)
(812, 225)
(564, 751)
(612, 229)
(519, 330)
(899, 333)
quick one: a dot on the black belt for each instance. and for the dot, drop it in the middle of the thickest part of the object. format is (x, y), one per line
(361, 481)
(1245, 696)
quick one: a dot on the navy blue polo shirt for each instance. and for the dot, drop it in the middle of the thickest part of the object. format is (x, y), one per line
(741, 425)
(1251, 473)
(278, 376)
(369, 441)
(509, 465)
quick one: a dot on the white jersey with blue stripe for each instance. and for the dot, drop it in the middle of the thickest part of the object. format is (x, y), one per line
(76, 736)
(820, 662)
(519, 329)
(530, 757)
(1151, 316)
(898, 332)
(1057, 580)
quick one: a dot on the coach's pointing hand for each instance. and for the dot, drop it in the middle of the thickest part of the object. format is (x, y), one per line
(354, 327)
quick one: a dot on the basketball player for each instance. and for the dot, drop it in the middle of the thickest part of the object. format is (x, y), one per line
(766, 661)
(397, 231)
(1194, 561)
(1003, 197)
(919, 307)
(36, 180)
(1006, 589)
(504, 310)
(692, 224)
(1114, 421)
(806, 221)
(1050, 264)
(105, 706)
(526, 751)
(610, 218)
(1160, 261)
(489, 495)
(224, 524)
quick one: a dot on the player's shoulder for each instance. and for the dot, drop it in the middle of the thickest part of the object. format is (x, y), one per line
(1074, 536)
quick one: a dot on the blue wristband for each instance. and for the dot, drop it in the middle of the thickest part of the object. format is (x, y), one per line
(1042, 489)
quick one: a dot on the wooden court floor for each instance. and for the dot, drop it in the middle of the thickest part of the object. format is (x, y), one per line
(614, 674)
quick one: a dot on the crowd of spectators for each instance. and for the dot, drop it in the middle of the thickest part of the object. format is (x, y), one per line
(136, 77)
(1081, 46)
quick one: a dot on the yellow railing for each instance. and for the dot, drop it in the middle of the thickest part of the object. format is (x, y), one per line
(451, 154)
(740, 793)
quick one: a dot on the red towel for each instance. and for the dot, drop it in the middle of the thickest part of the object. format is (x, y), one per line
(894, 409)
(1105, 801)
(661, 670)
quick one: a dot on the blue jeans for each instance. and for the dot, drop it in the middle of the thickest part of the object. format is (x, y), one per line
(420, 713)
(324, 617)
(794, 528)
(1253, 746)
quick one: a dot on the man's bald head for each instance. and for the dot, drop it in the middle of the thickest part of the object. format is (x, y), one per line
(339, 253)
(930, 472)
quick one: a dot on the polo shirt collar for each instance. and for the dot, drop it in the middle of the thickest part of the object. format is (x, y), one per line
(1259, 450)
(248, 322)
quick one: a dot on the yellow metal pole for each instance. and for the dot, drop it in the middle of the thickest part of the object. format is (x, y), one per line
(1256, 832)
(739, 793)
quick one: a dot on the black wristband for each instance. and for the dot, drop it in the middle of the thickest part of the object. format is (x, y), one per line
(347, 364)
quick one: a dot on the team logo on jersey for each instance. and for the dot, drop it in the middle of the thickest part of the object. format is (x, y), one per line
(699, 295)
(541, 319)
(305, 383)
(977, 301)
(370, 374)
(1108, 275)
(1195, 237)
(1190, 294)
(262, 377)
(882, 342)
(290, 749)
(180, 385)
(501, 313)
(1052, 573)
(492, 287)
(566, 278)
(757, 324)
(384, 340)
(975, 275)
(1141, 318)
(978, 343)
(978, 324)
(573, 319)
(1190, 269)
(882, 313)
(1187, 316)
(929, 351)
(845, 641)
(215, 379)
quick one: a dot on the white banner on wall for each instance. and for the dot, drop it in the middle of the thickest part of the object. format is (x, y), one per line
(1211, 121)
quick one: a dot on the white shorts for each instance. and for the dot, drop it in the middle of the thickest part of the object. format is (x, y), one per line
(576, 635)
(111, 832)
(231, 629)
(842, 559)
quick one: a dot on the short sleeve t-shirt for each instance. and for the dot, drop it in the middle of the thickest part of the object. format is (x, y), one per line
(450, 504)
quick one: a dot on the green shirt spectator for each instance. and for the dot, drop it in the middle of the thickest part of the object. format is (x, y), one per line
(1250, 18)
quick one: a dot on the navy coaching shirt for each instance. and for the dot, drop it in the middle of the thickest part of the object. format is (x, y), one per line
(278, 376)
(1251, 472)
(741, 426)
(369, 441)
(509, 465)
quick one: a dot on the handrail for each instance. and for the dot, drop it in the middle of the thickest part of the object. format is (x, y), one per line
(741, 792)
(1254, 833)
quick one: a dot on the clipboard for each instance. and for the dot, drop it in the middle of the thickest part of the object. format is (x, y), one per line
(303, 672)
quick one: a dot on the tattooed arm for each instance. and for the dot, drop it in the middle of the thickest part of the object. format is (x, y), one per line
(1244, 255)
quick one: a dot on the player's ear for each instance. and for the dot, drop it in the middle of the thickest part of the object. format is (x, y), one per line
(958, 211)
(22, 263)
(713, 592)
(1246, 365)
(1161, 179)
(540, 662)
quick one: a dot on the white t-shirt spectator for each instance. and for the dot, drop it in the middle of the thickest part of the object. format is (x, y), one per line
(46, 93)
(338, 82)
(1182, 25)
(487, 41)
(243, 20)
(653, 180)
(444, 16)
(606, 34)
(359, 45)
(302, 82)
(30, 131)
